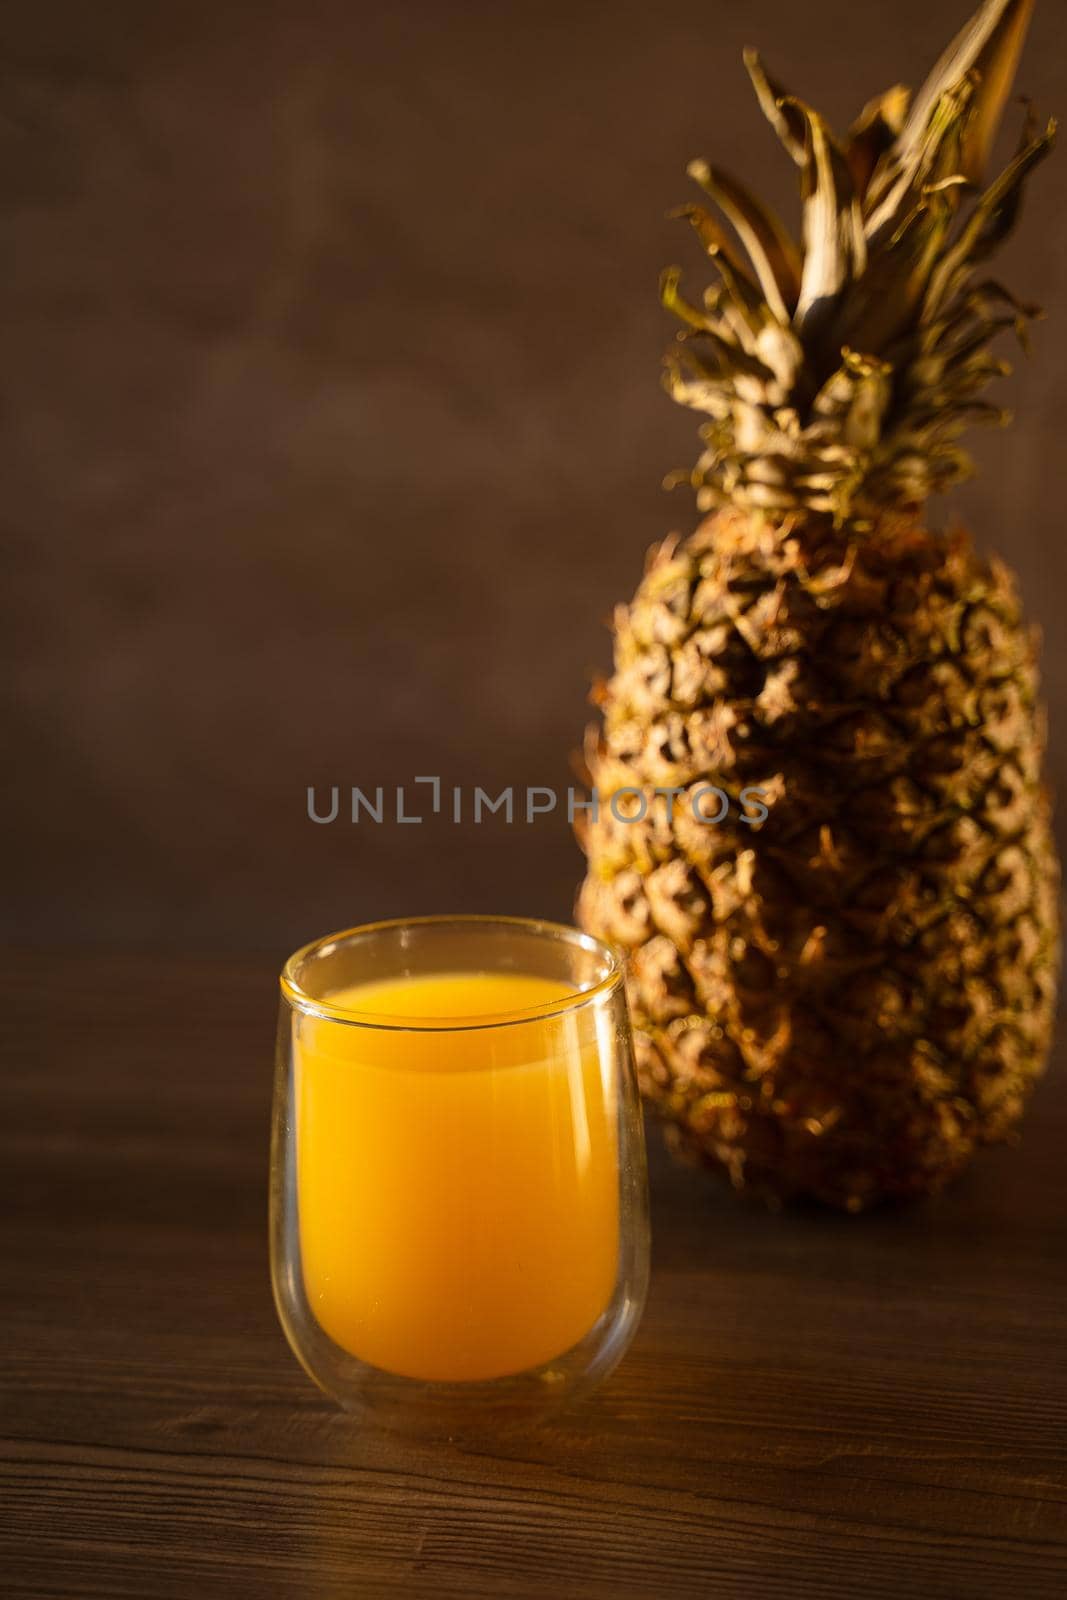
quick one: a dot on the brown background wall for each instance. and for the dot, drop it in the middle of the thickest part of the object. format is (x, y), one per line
(332, 424)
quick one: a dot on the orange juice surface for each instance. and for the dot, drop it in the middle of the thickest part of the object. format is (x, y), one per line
(458, 1190)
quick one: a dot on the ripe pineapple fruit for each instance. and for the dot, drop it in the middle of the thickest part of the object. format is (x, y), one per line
(844, 999)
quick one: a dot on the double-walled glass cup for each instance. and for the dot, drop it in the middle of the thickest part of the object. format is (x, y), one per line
(459, 1214)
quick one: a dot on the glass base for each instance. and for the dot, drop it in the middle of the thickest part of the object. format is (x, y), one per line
(432, 1409)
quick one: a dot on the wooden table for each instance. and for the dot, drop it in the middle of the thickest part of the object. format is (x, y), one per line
(815, 1406)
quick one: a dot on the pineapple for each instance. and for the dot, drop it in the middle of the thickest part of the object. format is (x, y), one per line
(846, 985)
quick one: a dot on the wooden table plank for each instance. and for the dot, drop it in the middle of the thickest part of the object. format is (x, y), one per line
(815, 1405)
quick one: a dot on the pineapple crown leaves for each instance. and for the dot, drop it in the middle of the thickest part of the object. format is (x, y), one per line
(838, 376)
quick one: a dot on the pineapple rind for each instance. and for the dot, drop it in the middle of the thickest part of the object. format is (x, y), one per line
(847, 999)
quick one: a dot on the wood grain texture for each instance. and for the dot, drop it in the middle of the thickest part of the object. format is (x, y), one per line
(814, 1407)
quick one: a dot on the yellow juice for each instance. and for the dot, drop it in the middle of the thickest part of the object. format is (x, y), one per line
(457, 1188)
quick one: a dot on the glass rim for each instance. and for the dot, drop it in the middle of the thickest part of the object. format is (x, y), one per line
(297, 996)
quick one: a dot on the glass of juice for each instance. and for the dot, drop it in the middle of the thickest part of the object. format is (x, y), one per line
(459, 1212)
